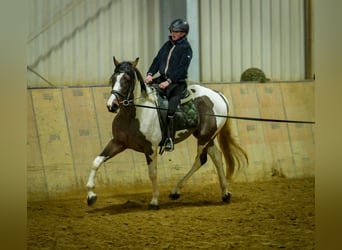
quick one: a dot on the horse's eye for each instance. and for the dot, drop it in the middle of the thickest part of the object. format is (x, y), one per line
(126, 77)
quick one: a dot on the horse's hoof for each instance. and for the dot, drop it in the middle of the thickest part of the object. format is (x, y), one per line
(153, 207)
(91, 200)
(226, 197)
(174, 196)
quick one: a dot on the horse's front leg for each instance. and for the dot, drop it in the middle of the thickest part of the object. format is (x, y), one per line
(152, 171)
(113, 148)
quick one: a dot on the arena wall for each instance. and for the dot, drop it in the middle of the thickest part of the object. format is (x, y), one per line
(71, 42)
(68, 127)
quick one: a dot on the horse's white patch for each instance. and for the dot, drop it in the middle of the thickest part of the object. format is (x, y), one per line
(220, 106)
(117, 88)
(149, 122)
(98, 161)
(91, 180)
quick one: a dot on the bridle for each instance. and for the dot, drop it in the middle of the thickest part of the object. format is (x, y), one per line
(127, 99)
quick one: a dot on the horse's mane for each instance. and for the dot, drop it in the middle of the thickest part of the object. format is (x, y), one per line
(127, 67)
(141, 80)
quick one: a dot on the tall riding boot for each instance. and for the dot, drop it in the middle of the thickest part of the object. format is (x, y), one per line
(169, 143)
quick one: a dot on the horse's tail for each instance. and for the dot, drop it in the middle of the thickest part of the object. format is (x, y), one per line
(233, 153)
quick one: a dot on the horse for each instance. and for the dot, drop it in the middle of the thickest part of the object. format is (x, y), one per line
(135, 126)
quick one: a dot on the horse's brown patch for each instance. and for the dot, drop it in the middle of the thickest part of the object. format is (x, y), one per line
(125, 129)
(207, 125)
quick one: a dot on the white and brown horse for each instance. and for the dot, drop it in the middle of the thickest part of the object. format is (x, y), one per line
(137, 127)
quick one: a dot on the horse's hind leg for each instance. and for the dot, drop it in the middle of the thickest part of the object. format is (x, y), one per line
(152, 171)
(200, 159)
(216, 156)
(112, 149)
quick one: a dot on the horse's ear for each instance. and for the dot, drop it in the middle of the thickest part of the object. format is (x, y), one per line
(134, 64)
(116, 62)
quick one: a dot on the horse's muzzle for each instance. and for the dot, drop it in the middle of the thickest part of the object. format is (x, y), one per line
(113, 108)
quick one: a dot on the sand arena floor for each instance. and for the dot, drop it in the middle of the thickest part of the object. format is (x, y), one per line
(262, 215)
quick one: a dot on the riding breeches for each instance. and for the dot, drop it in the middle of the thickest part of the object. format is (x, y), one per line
(173, 94)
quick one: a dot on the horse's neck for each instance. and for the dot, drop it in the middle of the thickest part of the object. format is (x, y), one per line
(137, 91)
(141, 97)
(142, 111)
(145, 103)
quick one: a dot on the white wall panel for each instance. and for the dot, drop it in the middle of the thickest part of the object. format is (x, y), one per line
(238, 34)
(226, 40)
(236, 38)
(71, 42)
(256, 31)
(275, 37)
(215, 28)
(205, 39)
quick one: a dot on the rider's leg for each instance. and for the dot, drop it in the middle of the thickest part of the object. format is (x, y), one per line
(169, 143)
(171, 129)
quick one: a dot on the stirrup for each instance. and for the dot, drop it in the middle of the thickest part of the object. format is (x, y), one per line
(169, 145)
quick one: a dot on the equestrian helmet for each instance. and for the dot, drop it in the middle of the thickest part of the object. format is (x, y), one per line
(179, 25)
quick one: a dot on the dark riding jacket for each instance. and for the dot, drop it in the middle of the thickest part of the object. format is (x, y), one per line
(173, 60)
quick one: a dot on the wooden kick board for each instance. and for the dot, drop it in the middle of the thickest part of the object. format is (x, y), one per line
(299, 103)
(81, 121)
(36, 179)
(54, 140)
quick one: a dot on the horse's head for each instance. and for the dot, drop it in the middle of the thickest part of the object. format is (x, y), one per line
(123, 81)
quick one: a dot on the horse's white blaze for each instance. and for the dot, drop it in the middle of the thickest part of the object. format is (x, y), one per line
(116, 87)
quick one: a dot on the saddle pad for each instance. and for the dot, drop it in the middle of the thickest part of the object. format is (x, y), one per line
(186, 114)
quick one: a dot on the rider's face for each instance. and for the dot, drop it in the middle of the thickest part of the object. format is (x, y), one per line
(175, 35)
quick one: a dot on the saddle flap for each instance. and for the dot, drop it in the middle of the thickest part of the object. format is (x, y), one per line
(186, 115)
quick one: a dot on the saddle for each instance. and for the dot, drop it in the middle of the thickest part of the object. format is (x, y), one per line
(186, 116)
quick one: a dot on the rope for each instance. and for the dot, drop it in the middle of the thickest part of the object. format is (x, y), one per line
(238, 117)
(264, 119)
(230, 116)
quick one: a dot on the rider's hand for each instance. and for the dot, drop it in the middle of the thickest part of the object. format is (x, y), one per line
(164, 84)
(148, 79)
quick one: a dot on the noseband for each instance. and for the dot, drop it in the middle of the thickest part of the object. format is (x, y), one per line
(125, 99)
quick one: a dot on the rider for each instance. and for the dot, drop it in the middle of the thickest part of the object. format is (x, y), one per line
(172, 62)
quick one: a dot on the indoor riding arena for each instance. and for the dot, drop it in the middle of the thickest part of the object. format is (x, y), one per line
(272, 203)
(70, 48)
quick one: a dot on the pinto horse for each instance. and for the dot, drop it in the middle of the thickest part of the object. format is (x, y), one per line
(137, 127)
